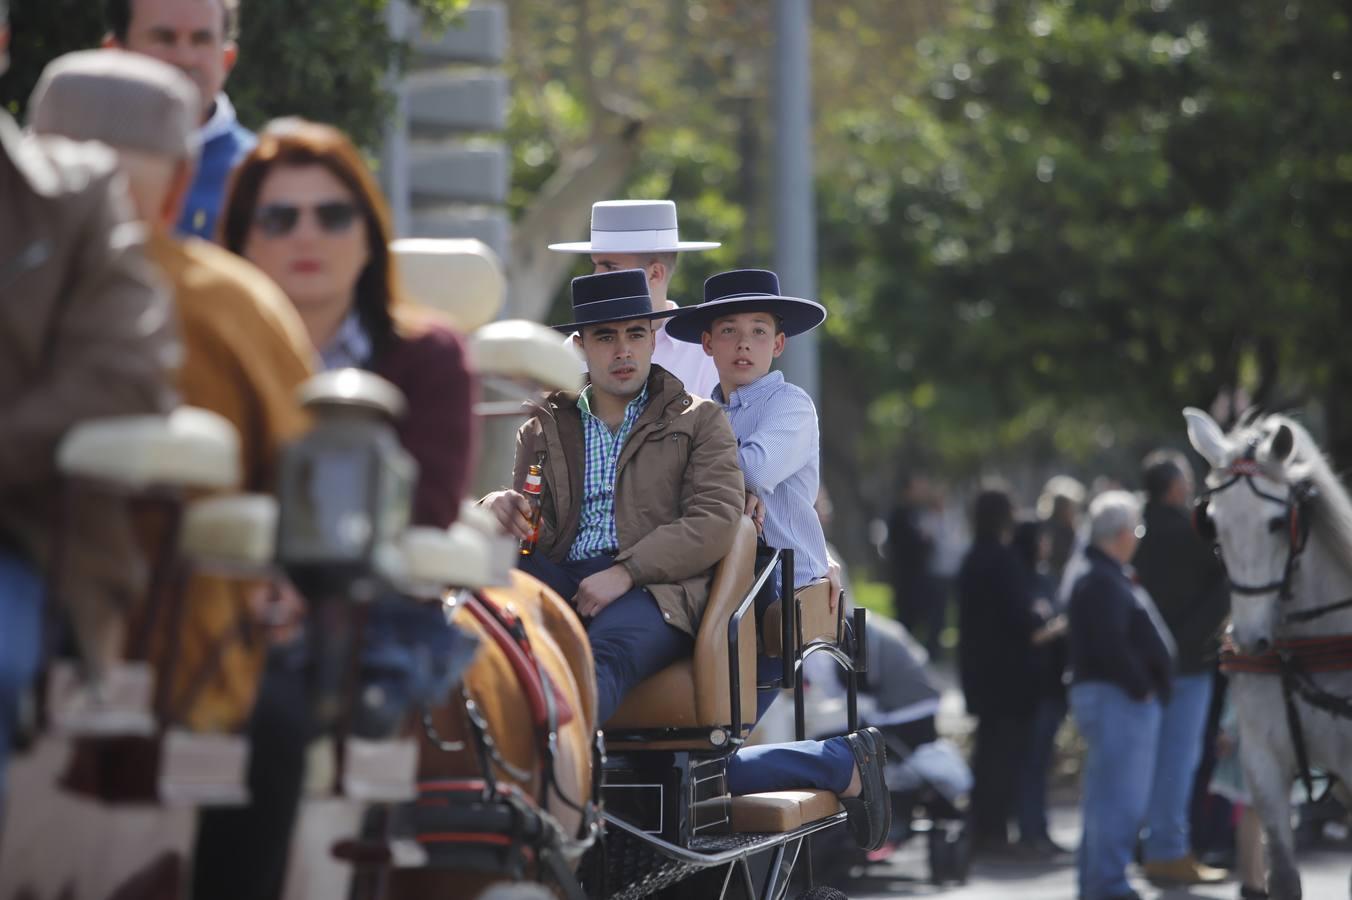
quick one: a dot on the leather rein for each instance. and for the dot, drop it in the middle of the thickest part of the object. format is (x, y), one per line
(548, 710)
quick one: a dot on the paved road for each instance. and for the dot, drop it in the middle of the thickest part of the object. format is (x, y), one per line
(1325, 874)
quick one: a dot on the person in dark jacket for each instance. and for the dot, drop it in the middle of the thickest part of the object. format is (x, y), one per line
(997, 665)
(1032, 545)
(1187, 583)
(1121, 660)
(917, 599)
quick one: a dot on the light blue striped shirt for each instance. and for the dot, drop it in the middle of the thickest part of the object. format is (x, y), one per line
(779, 447)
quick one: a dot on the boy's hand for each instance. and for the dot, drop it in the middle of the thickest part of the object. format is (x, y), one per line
(513, 512)
(598, 591)
(756, 510)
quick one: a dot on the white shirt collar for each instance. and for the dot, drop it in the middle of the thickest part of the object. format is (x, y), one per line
(222, 119)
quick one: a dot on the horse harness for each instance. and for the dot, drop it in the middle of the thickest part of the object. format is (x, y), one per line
(490, 825)
(1294, 660)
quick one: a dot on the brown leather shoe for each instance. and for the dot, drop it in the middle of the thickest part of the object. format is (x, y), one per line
(1184, 870)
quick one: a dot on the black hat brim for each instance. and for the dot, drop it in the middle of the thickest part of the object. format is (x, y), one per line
(655, 314)
(795, 314)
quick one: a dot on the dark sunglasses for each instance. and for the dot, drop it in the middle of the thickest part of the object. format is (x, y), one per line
(280, 219)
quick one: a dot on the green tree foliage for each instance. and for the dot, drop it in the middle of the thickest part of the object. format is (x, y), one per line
(1085, 215)
(325, 61)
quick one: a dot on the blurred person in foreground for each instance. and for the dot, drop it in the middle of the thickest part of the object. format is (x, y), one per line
(997, 665)
(198, 37)
(1185, 579)
(88, 333)
(1032, 545)
(1121, 660)
(305, 209)
(245, 351)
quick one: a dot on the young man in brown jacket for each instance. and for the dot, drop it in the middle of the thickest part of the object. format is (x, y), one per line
(246, 352)
(85, 331)
(642, 491)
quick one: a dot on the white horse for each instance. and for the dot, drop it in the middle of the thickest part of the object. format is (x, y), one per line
(1283, 522)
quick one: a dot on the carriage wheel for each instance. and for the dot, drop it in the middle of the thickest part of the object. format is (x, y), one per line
(822, 892)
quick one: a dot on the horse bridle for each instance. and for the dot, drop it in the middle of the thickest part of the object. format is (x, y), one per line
(1295, 519)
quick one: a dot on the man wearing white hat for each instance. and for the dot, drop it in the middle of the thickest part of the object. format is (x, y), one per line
(642, 234)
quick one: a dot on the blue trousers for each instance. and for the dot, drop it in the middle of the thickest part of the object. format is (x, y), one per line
(825, 765)
(1030, 790)
(629, 638)
(21, 593)
(1182, 727)
(1121, 734)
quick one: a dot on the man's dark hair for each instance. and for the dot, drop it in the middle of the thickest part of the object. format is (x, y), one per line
(1159, 470)
(117, 13)
(992, 514)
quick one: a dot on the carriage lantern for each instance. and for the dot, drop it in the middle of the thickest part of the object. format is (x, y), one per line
(345, 489)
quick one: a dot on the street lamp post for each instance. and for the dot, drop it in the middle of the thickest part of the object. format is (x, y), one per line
(794, 201)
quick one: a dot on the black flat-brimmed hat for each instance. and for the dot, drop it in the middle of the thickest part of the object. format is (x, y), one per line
(740, 291)
(612, 297)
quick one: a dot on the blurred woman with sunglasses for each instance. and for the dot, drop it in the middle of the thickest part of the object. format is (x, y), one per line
(304, 208)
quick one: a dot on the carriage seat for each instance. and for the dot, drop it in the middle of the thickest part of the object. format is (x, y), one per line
(517, 349)
(694, 693)
(460, 278)
(469, 554)
(780, 811)
(235, 532)
(188, 448)
(815, 618)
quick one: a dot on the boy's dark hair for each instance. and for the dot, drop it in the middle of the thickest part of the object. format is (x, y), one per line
(117, 14)
(1160, 470)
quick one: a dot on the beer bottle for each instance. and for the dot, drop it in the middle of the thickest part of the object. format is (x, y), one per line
(534, 477)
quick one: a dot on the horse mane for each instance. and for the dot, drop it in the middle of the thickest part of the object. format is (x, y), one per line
(1332, 504)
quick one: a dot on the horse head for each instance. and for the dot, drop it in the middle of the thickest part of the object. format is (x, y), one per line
(1255, 508)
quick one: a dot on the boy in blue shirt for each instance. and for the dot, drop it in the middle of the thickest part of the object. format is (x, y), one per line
(743, 324)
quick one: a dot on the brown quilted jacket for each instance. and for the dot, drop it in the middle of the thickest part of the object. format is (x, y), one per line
(678, 493)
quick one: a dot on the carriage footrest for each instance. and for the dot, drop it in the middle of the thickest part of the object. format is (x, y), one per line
(116, 704)
(780, 811)
(200, 769)
(374, 771)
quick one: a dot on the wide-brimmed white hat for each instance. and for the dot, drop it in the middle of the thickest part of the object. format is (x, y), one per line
(633, 226)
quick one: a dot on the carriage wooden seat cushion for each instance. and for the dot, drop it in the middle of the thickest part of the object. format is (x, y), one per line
(781, 811)
(460, 278)
(814, 611)
(190, 447)
(231, 529)
(469, 554)
(695, 692)
(525, 350)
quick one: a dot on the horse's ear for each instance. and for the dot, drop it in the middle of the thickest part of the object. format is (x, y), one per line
(1206, 436)
(1283, 442)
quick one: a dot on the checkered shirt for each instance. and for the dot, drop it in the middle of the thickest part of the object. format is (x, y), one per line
(596, 533)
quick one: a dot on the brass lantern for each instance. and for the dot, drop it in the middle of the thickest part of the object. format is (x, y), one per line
(346, 488)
